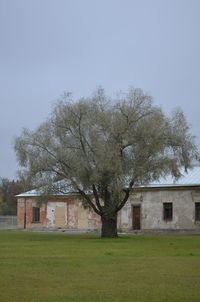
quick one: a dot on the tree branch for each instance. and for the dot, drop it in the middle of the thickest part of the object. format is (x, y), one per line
(127, 194)
(96, 197)
(89, 201)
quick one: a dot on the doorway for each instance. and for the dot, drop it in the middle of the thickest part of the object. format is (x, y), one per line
(136, 217)
(60, 217)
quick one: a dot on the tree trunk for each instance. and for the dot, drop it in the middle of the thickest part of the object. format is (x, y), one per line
(109, 226)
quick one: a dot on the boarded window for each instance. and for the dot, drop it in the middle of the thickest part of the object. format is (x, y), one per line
(36, 214)
(197, 211)
(167, 211)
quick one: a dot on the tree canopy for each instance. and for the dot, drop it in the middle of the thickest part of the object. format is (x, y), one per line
(8, 190)
(105, 147)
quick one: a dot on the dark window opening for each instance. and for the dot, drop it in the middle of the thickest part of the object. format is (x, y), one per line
(197, 211)
(36, 214)
(167, 211)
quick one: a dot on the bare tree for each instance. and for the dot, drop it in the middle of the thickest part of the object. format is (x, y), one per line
(104, 148)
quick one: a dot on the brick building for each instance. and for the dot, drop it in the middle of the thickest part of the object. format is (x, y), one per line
(166, 205)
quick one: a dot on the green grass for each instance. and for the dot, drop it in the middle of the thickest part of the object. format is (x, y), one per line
(41, 267)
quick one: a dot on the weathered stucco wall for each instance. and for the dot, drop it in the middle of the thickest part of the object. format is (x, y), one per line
(70, 214)
(151, 210)
(25, 216)
(20, 212)
(57, 213)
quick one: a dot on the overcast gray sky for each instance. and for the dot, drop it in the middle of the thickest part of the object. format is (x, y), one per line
(48, 46)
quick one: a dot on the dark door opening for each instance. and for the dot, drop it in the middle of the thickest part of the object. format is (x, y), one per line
(136, 217)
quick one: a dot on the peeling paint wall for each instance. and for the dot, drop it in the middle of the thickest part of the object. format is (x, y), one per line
(25, 213)
(73, 214)
(20, 212)
(70, 214)
(83, 217)
(151, 204)
(57, 213)
(52, 207)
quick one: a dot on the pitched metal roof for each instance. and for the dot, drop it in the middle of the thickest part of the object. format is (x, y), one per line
(188, 179)
(39, 192)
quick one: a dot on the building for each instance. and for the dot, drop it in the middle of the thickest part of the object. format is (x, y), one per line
(62, 211)
(166, 205)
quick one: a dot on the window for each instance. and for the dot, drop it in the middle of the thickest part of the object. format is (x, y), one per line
(36, 214)
(167, 211)
(197, 211)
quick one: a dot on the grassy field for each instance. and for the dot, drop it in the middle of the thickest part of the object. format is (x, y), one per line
(41, 267)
